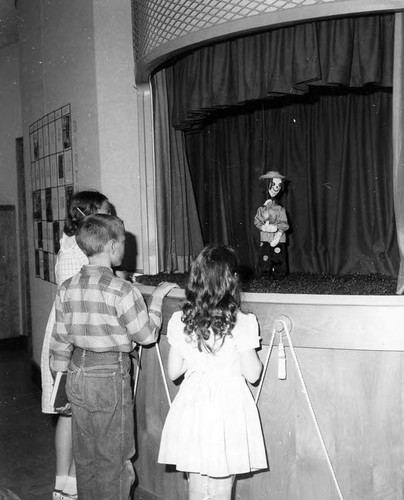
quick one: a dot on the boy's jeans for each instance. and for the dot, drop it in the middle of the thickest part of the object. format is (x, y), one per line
(99, 390)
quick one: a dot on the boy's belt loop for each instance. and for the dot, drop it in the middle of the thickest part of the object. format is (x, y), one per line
(120, 363)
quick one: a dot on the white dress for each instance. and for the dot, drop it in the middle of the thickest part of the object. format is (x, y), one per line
(70, 260)
(213, 426)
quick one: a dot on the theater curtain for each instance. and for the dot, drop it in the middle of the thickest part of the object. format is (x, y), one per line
(398, 146)
(257, 103)
(351, 52)
(335, 149)
(178, 228)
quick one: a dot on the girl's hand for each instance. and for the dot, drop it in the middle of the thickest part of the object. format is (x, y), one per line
(64, 410)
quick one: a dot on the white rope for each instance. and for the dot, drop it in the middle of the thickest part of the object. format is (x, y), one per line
(271, 343)
(163, 374)
(136, 384)
(299, 371)
(137, 373)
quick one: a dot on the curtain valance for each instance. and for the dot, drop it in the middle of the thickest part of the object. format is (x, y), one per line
(350, 52)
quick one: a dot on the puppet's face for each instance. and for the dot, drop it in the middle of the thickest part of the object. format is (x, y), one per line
(275, 187)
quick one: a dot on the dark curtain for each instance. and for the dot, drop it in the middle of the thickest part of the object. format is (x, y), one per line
(286, 99)
(178, 228)
(335, 149)
(351, 52)
(398, 149)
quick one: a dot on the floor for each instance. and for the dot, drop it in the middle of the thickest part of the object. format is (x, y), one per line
(27, 453)
(27, 464)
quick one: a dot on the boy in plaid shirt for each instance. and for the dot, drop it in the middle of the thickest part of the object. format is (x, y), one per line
(99, 320)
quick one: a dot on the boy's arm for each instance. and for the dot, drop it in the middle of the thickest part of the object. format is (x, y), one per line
(144, 324)
(60, 349)
(156, 303)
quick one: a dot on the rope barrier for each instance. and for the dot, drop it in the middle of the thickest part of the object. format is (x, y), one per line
(137, 373)
(286, 324)
(161, 369)
(271, 343)
(163, 374)
(281, 325)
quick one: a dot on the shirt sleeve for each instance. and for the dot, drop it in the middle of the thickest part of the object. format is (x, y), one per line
(282, 222)
(133, 315)
(246, 332)
(60, 348)
(259, 219)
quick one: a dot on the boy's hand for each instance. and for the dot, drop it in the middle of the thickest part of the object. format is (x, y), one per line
(156, 304)
(164, 288)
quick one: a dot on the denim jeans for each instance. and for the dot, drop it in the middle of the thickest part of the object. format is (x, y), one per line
(99, 390)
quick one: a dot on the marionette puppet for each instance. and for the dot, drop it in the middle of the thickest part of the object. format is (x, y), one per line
(271, 220)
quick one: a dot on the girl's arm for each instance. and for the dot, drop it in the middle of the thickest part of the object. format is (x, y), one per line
(251, 365)
(176, 365)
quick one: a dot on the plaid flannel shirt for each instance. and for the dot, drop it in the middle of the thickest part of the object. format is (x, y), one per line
(98, 311)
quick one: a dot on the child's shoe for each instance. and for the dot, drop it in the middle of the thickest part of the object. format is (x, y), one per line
(69, 489)
(57, 495)
(68, 496)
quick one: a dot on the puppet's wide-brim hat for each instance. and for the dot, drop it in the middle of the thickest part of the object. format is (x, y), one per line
(272, 174)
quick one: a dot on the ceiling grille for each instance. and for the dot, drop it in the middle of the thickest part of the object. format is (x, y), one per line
(156, 22)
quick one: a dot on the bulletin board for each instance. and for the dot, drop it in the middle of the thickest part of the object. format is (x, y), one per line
(52, 181)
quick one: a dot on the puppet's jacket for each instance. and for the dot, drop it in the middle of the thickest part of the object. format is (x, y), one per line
(275, 214)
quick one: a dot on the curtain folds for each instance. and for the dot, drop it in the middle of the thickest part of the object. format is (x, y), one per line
(351, 52)
(312, 100)
(178, 227)
(335, 149)
(398, 146)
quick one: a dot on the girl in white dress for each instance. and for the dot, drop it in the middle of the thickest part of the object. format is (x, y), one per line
(213, 430)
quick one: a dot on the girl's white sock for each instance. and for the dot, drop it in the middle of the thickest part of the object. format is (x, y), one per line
(60, 482)
(70, 486)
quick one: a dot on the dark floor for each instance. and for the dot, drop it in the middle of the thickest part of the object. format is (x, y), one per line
(27, 460)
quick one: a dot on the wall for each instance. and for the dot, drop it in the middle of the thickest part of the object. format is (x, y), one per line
(10, 129)
(117, 112)
(10, 123)
(81, 53)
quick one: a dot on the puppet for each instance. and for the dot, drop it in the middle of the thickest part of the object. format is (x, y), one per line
(272, 221)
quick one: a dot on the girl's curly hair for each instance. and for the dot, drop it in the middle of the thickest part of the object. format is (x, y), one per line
(212, 295)
(81, 204)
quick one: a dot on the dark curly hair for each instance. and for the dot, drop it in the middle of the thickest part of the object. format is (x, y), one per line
(212, 295)
(81, 204)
